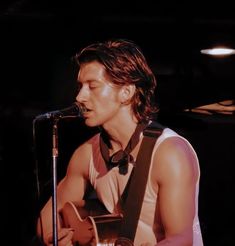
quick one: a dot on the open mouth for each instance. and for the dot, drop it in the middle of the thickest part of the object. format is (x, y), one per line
(85, 110)
(82, 108)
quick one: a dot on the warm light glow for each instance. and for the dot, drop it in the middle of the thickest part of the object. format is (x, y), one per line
(219, 51)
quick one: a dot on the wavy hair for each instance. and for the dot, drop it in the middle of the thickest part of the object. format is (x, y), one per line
(125, 63)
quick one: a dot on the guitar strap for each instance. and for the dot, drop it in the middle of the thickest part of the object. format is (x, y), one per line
(132, 199)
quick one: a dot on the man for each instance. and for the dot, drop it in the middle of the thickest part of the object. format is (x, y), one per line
(116, 90)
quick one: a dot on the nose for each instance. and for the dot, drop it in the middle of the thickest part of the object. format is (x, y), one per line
(82, 95)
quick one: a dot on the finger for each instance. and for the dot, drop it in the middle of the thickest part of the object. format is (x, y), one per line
(64, 232)
(69, 244)
(67, 239)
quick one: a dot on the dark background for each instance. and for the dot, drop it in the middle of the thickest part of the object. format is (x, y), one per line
(38, 39)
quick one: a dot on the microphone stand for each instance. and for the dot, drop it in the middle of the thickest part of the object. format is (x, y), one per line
(70, 112)
(54, 174)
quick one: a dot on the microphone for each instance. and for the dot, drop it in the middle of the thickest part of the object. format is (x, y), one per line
(75, 110)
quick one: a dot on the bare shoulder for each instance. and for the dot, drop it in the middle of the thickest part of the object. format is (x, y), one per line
(79, 162)
(175, 159)
(76, 176)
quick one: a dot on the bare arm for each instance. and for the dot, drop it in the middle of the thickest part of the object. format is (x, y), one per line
(71, 188)
(175, 175)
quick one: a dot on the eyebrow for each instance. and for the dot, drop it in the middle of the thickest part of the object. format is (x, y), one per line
(89, 81)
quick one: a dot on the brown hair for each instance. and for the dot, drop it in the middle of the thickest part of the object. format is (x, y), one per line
(125, 64)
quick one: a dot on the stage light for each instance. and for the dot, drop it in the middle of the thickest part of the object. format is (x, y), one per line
(218, 51)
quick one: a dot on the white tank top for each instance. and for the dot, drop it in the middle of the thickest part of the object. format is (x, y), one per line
(109, 186)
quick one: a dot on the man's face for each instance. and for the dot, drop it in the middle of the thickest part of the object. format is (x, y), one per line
(97, 94)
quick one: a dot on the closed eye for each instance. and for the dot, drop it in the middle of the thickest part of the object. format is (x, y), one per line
(94, 84)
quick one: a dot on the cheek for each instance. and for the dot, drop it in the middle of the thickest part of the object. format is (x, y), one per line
(106, 91)
(108, 102)
(110, 94)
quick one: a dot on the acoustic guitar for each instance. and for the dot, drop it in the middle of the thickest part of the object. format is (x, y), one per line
(93, 225)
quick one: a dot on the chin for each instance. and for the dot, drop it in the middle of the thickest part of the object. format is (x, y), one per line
(91, 123)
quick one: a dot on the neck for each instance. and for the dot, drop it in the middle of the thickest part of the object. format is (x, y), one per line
(121, 157)
(120, 132)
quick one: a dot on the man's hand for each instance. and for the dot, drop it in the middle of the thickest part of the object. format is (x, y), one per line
(65, 236)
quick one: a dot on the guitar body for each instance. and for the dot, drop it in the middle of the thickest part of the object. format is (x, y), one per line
(92, 227)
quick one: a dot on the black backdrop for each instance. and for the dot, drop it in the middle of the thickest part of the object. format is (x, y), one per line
(38, 76)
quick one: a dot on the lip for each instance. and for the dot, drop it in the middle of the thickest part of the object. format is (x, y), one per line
(84, 109)
(86, 112)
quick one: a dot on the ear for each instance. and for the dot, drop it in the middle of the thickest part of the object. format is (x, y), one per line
(126, 93)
